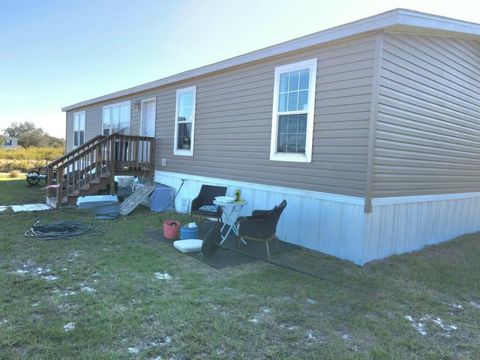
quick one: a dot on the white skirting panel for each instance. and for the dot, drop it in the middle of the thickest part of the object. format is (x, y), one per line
(333, 224)
(337, 225)
(404, 224)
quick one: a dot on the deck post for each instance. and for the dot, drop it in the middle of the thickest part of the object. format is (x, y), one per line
(98, 160)
(136, 157)
(49, 180)
(152, 160)
(112, 164)
(60, 185)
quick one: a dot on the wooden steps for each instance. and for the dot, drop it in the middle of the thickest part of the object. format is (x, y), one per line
(91, 168)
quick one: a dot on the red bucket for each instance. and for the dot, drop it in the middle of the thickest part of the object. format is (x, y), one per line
(170, 229)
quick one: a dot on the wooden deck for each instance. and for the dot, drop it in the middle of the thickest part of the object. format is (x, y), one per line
(92, 167)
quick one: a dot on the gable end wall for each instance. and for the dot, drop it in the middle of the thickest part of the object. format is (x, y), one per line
(428, 120)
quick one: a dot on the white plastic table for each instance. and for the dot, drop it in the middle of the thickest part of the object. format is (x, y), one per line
(230, 212)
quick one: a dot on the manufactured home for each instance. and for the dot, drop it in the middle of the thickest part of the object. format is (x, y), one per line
(370, 130)
(10, 143)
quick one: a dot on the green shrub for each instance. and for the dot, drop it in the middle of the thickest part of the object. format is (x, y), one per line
(22, 160)
(20, 165)
(14, 174)
(33, 153)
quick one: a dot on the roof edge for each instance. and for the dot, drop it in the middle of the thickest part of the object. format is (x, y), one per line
(373, 23)
(436, 22)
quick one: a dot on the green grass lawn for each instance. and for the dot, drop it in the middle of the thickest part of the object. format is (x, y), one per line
(17, 191)
(97, 297)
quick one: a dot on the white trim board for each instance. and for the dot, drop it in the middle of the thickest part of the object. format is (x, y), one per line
(423, 198)
(269, 188)
(397, 18)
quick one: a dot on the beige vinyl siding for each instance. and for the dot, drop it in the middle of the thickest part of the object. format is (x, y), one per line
(234, 118)
(428, 121)
(93, 122)
(69, 131)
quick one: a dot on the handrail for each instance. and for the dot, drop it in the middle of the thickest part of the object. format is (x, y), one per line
(72, 157)
(81, 149)
(105, 139)
(78, 149)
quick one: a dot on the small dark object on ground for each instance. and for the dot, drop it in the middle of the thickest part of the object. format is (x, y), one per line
(35, 175)
(123, 191)
(211, 242)
(61, 229)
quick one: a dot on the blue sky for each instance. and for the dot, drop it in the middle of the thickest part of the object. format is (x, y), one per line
(55, 53)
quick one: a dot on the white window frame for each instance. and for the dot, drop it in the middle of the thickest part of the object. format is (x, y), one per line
(182, 152)
(311, 64)
(119, 104)
(79, 128)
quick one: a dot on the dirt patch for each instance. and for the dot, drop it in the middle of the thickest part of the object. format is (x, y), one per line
(87, 289)
(42, 272)
(421, 324)
(69, 327)
(160, 342)
(162, 276)
(475, 304)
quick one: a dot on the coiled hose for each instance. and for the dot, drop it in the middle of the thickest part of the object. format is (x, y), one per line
(61, 229)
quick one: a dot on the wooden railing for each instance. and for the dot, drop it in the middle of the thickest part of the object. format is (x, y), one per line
(100, 157)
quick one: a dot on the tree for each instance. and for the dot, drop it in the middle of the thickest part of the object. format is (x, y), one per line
(31, 138)
(29, 135)
(52, 141)
(16, 129)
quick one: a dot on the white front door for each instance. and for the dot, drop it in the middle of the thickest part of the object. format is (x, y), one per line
(147, 126)
(149, 109)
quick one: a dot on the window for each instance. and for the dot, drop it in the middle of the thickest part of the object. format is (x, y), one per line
(116, 118)
(185, 121)
(78, 128)
(293, 105)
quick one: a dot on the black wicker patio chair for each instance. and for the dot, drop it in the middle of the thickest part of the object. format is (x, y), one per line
(202, 205)
(261, 226)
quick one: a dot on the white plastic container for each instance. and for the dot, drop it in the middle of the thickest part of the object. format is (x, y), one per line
(85, 202)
